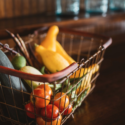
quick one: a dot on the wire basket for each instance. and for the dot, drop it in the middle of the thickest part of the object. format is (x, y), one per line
(76, 81)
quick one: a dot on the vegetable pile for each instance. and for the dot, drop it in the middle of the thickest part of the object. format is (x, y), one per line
(49, 103)
(40, 106)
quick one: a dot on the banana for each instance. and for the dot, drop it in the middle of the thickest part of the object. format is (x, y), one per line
(50, 40)
(85, 83)
(87, 78)
(89, 88)
(53, 61)
(81, 72)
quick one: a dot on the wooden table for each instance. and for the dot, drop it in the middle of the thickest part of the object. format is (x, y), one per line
(106, 104)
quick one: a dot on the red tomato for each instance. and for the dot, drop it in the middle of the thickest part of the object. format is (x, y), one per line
(68, 110)
(42, 100)
(47, 88)
(63, 102)
(29, 107)
(48, 112)
(57, 121)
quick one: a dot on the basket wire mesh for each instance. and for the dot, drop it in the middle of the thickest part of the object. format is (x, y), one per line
(87, 49)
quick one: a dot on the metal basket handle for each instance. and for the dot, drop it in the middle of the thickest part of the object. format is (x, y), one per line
(40, 78)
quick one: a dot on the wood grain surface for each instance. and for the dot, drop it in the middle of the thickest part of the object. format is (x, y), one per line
(2, 8)
(16, 8)
(106, 104)
(9, 8)
(25, 25)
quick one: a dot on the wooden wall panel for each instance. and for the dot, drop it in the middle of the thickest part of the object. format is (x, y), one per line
(9, 6)
(26, 10)
(2, 8)
(41, 6)
(50, 6)
(34, 7)
(18, 7)
(15, 8)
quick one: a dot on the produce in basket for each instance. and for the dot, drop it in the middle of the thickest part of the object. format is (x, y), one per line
(53, 61)
(81, 72)
(32, 70)
(68, 110)
(51, 43)
(57, 121)
(61, 51)
(18, 61)
(86, 79)
(30, 111)
(40, 98)
(50, 113)
(46, 88)
(83, 75)
(5, 79)
(15, 83)
(61, 103)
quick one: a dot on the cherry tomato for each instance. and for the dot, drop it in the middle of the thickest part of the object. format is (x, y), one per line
(42, 100)
(68, 110)
(51, 110)
(57, 121)
(63, 102)
(29, 107)
(47, 88)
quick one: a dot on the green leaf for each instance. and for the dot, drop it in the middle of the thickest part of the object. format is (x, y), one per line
(43, 70)
(67, 89)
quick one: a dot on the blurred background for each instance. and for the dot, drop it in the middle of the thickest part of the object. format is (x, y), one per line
(15, 13)
(19, 8)
(106, 105)
(32, 14)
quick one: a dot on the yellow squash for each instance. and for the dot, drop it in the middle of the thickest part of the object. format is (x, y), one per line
(62, 52)
(31, 70)
(50, 43)
(50, 40)
(53, 61)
